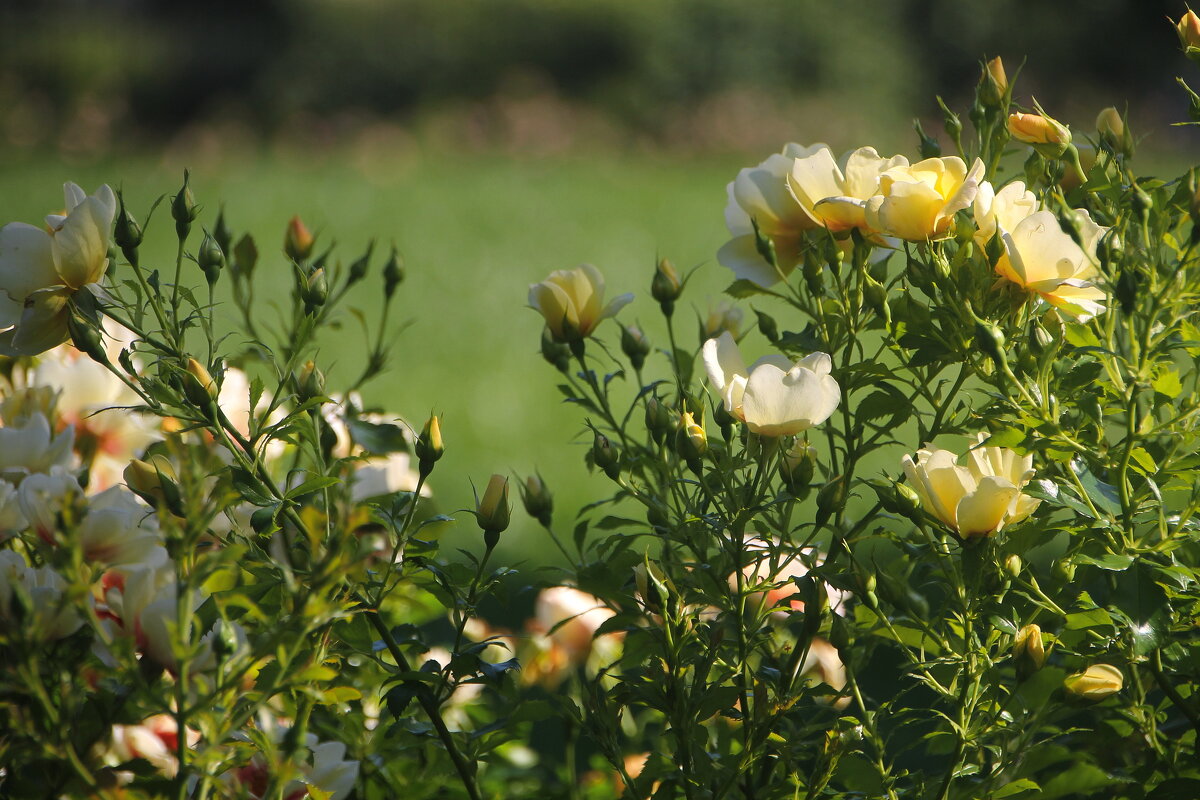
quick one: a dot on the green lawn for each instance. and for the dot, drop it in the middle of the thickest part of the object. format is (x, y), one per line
(475, 231)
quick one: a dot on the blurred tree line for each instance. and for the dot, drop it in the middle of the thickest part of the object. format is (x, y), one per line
(120, 68)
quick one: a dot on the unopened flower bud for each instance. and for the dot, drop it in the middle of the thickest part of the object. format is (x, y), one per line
(555, 352)
(993, 85)
(830, 500)
(666, 286)
(634, 345)
(605, 456)
(1095, 683)
(691, 442)
(990, 341)
(198, 385)
(155, 482)
(722, 316)
(1012, 565)
(1188, 30)
(183, 208)
(429, 446)
(85, 335)
(127, 234)
(927, 146)
(210, 258)
(310, 382)
(315, 290)
(1029, 652)
(1046, 135)
(221, 232)
(653, 586)
(658, 421)
(1113, 132)
(767, 326)
(493, 512)
(799, 465)
(764, 245)
(537, 500)
(393, 273)
(876, 298)
(297, 241)
(358, 269)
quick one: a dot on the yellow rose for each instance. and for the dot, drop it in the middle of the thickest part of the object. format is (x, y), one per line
(835, 195)
(1039, 257)
(1095, 683)
(1001, 210)
(572, 301)
(978, 499)
(918, 202)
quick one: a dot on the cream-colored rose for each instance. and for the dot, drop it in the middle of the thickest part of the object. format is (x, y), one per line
(775, 574)
(98, 406)
(145, 605)
(571, 618)
(154, 740)
(1039, 257)
(118, 530)
(51, 615)
(824, 664)
(774, 397)
(1095, 683)
(41, 267)
(798, 190)
(572, 302)
(761, 195)
(918, 202)
(323, 767)
(976, 500)
(32, 447)
(1001, 209)
(380, 475)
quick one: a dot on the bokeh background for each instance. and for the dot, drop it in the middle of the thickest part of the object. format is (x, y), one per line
(493, 141)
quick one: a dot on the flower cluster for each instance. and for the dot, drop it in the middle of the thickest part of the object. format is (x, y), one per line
(791, 197)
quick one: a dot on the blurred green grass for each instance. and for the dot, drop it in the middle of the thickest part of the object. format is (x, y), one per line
(475, 230)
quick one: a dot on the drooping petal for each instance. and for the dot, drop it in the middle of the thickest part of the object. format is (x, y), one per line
(615, 305)
(43, 324)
